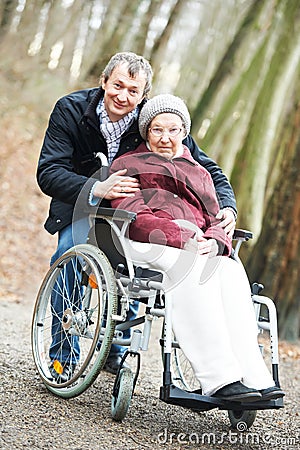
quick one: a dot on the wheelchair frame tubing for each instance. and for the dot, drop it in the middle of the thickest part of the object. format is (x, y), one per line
(167, 376)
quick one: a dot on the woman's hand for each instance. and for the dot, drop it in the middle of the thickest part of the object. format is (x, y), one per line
(208, 247)
(202, 246)
(116, 185)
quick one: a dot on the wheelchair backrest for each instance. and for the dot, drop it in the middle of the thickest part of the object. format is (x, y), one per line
(103, 236)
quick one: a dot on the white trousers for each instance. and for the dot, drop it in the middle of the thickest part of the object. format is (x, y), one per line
(212, 315)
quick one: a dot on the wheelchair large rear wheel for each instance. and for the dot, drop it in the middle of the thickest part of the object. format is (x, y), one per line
(183, 375)
(72, 325)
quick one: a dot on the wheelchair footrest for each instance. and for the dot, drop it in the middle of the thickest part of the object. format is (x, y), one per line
(176, 396)
(262, 404)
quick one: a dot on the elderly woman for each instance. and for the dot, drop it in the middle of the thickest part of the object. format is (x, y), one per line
(176, 231)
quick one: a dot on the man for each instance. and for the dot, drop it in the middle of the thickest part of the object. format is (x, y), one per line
(104, 120)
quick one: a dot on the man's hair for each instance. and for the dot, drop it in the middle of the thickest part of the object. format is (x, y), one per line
(136, 63)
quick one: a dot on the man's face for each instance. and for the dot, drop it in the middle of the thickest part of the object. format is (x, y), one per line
(122, 92)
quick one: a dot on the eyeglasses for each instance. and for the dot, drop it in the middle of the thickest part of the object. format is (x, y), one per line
(158, 132)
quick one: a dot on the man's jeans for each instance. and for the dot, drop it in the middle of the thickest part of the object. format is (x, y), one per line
(68, 237)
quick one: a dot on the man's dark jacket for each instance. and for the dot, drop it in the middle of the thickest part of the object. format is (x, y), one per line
(68, 161)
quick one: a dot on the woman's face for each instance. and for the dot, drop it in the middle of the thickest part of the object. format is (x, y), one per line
(165, 135)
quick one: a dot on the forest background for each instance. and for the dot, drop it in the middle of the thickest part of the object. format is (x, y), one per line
(237, 65)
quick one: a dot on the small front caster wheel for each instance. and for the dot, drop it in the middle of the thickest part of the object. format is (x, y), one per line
(122, 394)
(241, 420)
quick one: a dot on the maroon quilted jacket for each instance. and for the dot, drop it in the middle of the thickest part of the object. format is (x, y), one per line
(170, 189)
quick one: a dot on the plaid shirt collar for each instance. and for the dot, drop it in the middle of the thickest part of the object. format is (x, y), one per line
(112, 131)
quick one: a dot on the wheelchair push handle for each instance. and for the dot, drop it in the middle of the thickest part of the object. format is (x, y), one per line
(104, 171)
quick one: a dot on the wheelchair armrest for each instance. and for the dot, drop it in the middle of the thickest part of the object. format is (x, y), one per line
(242, 235)
(116, 214)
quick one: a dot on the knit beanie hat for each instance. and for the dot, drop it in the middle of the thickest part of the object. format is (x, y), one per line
(163, 103)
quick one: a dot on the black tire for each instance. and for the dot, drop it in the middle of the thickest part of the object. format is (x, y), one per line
(84, 319)
(124, 389)
(242, 420)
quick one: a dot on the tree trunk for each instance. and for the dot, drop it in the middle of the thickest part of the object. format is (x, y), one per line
(274, 260)
(6, 12)
(160, 49)
(243, 110)
(140, 44)
(255, 160)
(116, 24)
(204, 64)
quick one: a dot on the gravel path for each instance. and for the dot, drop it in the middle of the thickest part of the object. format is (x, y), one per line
(31, 417)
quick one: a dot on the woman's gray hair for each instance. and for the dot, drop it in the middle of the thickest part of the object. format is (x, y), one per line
(136, 63)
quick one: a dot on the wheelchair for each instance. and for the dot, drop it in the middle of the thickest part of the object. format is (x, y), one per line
(97, 286)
